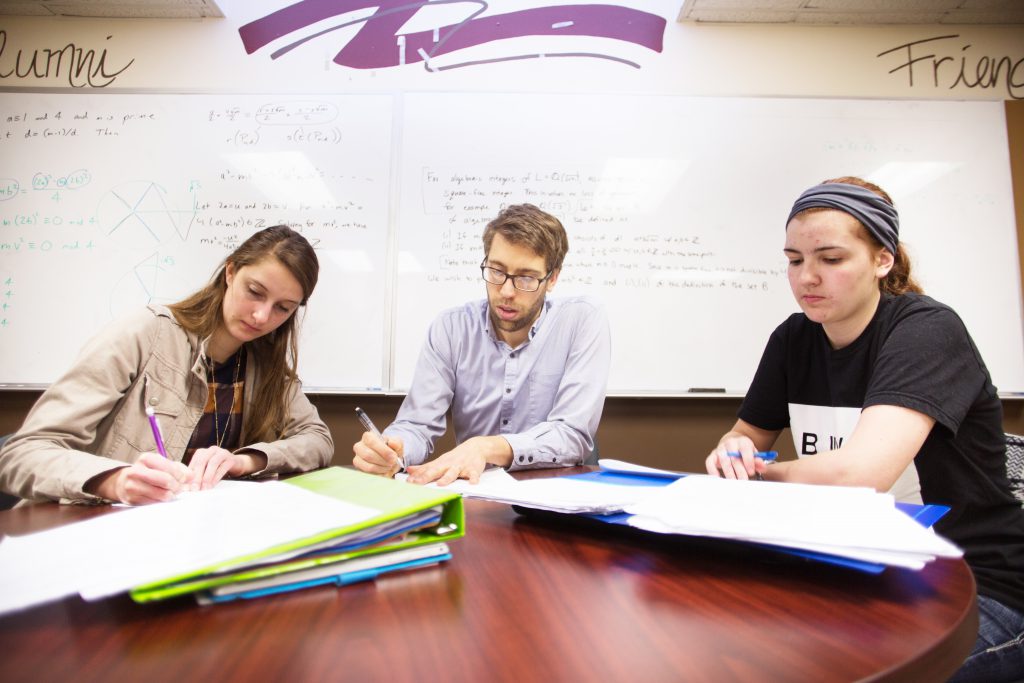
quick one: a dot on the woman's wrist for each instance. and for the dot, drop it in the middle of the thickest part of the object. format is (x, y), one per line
(251, 462)
(105, 484)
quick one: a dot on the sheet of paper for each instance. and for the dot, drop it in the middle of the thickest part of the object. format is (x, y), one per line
(492, 476)
(222, 485)
(135, 546)
(559, 494)
(908, 561)
(839, 520)
(612, 465)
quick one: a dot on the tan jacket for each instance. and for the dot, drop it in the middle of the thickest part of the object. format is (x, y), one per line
(93, 418)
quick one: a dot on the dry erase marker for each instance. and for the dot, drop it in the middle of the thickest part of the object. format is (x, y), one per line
(768, 456)
(156, 431)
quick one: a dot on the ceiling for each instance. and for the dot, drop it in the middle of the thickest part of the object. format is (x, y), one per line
(112, 9)
(853, 12)
(844, 12)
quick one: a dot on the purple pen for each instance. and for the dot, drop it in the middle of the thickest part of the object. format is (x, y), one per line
(156, 431)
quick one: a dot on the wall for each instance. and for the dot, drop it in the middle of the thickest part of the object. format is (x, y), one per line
(692, 60)
(1015, 129)
(672, 433)
(924, 62)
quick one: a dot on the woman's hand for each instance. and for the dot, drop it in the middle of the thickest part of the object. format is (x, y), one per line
(733, 458)
(151, 479)
(209, 465)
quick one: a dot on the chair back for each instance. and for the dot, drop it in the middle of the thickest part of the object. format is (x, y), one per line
(1015, 464)
(7, 501)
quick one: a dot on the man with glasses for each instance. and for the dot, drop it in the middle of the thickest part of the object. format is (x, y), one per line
(523, 375)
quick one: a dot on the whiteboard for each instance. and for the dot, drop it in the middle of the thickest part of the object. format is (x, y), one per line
(112, 201)
(675, 210)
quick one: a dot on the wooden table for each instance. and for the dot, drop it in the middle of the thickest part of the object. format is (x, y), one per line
(523, 599)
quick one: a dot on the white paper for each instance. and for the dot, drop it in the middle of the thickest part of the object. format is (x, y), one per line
(851, 522)
(558, 494)
(131, 547)
(612, 465)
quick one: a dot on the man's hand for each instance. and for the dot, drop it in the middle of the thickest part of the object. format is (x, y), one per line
(465, 461)
(374, 456)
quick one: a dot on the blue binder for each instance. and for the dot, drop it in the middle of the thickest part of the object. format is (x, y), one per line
(341, 577)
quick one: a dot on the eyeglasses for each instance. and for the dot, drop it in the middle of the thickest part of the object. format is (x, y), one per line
(524, 283)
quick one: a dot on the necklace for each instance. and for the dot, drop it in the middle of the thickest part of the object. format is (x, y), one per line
(218, 437)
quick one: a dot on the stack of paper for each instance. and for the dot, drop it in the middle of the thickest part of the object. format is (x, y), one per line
(236, 532)
(557, 494)
(857, 523)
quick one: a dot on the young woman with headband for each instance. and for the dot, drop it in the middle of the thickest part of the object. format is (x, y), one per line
(217, 370)
(883, 387)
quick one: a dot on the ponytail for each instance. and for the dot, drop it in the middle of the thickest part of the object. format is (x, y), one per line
(900, 280)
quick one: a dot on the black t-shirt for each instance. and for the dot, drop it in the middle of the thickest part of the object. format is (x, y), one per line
(915, 353)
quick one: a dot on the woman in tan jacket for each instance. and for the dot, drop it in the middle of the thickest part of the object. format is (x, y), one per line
(218, 371)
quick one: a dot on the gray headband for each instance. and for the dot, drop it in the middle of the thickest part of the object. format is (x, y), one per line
(876, 214)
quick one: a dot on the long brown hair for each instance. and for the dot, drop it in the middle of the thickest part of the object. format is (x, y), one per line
(899, 280)
(276, 354)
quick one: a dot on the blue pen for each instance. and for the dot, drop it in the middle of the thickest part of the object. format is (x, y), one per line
(768, 456)
(155, 426)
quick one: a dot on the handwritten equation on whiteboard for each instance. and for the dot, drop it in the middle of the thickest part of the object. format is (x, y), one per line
(601, 211)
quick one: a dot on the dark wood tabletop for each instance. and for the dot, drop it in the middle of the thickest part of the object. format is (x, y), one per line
(525, 598)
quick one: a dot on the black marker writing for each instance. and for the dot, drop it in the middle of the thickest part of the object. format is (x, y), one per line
(81, 67)
(924, 58)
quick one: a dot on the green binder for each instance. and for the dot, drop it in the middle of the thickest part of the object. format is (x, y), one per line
(396, 501)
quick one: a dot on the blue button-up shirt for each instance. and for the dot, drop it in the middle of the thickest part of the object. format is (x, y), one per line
(544, 397)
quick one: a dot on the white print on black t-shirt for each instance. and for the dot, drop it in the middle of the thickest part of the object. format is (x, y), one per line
(819, 429)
